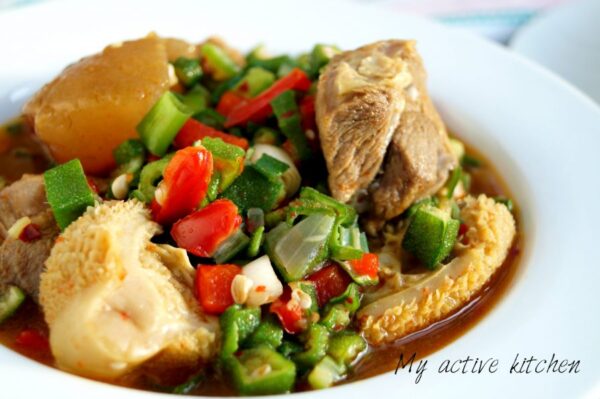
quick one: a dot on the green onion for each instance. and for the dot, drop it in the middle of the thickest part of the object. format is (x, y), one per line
(231, 247)
(196, 99)
(188, 71)
(68, 192)
(261, 371)
(469, 161)
(255, 81)
(505, 201)
(210, 117)
(256, 242)
(149, 177)
(301, 248)
(289, 122)
(326, 373)
(453, 181)
(162, 123)
(256, 219)
(270, 167)
(320, 56)
(130, 156)
(11, 299)
(221, 64)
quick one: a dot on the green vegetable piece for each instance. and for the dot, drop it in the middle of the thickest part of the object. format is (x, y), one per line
(162, 123)
(130, 155)
(289, 348)
(188, 386)
(227, 159)
(326, 373)
(350, 298)
(270, 167)
(11, 299)
(196, 99)
(335, 318)
(347, 244)
(469, 161)
(431, 235)
(268, 332)
(220, 64)
(506, 201)
(213, 188)
(188, 70)
(266, 135)
(431, 201)
(237, 324)
(261, 371)
(315, 346)
(210, 117)
(301, 248)
(346, 346)
(255, 81)
(255, 219)
(453, 181)
(229, 248)
(320, 56)
(289, 122)
(253, 190)
(256, 242)
(149, 177)
(68, 192)
(256, 59)
(312, 199)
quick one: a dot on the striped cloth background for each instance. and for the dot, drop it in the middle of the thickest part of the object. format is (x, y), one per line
(495, 19)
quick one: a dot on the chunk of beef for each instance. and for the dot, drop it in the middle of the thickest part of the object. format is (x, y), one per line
(360, 98)
(21, 263)
(419, 156)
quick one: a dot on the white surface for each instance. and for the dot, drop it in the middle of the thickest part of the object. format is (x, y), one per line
(542, 134)
(566, 40)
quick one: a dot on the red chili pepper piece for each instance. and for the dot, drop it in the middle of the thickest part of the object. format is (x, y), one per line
(368, 265)
(201, 232)
(289, 312)
(295, 80)
(193, 131)
(330, 281)
(32, 340)
(213, 286)
(229, 100)
(30, 233)
(185, 183)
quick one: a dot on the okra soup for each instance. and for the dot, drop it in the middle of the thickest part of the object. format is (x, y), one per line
(185, 218)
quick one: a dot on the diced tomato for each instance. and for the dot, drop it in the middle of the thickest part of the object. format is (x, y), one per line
(184, 186)
(32, 340)
(295, 80)
(368, 265)
(213, 286)
(30, 233)
(229, 100)
(330, 281)
(201, 232)
(290, 314)
(193, 131)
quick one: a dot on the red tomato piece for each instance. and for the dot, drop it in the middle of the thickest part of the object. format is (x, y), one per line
(30, 233)
(193, 131)
(184, 186)
(368, 265)
(289, 313)
(32, 340)
(213, 286)
(201, 232)
(229, 100)
(295, 80)
(330, 281)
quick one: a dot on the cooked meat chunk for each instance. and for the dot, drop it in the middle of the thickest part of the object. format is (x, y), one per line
(491, 230)
(22, 262)
(373, 101)
(360, 98)
(114, 301)
(419, 156)
(95, 104)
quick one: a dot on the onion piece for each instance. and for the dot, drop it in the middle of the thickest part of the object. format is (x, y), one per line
(267, 286)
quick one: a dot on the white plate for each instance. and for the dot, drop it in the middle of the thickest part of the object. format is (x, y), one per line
(542, 134)
(566, 40)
